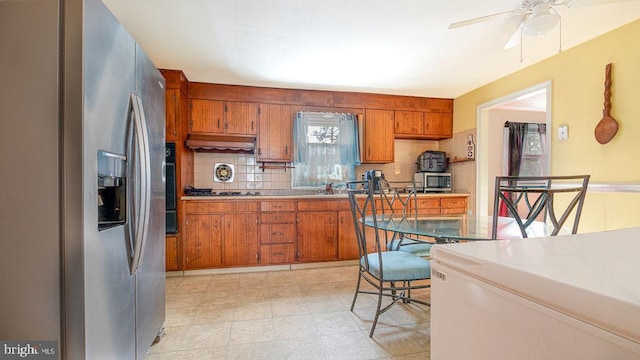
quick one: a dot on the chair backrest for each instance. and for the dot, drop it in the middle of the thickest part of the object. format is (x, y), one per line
(361, 197)
(397, 199)
(531, 199)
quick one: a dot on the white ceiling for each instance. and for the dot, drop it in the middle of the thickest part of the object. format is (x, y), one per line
(399, 47)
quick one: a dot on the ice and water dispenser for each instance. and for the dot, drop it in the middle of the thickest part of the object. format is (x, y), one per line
(112, 190)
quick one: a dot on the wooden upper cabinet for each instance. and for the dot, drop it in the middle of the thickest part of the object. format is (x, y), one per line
(435, 105)
(409, 123)
(275, 133)
(423, 125)
(172, 107)
(377, 136)
(241, 118)
(207, 117)
(438, 125)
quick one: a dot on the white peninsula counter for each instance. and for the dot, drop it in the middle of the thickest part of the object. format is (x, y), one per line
(564, 297)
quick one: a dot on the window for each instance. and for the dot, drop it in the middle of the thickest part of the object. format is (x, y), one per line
(525, 150)
(326, 149)
(533, 152)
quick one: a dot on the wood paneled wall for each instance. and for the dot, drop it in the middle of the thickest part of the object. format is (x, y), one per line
(316, 98)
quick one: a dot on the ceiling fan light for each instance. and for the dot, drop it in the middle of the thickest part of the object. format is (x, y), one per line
(540, 24)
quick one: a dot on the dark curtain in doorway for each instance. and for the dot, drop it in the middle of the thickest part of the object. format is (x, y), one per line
(516, 141)
(517, 135)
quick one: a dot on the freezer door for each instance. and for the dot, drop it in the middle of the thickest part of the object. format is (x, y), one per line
(150, 275)
(109, 288)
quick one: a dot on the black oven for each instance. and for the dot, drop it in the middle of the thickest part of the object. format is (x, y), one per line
(172, 215)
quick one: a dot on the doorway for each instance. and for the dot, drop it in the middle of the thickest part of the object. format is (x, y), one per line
(532, 104)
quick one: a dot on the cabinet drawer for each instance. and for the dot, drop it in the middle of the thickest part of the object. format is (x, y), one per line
(277, 206)
(277, 254)
(278, 217)
(428, 203)
(453, 202)
(195, 207)
(429, 211)
(460, 211)
(277, 233)
(245, 206)
(318, 205)
(208, 207)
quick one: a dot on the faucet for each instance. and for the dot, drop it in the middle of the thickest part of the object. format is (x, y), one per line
(328, 189)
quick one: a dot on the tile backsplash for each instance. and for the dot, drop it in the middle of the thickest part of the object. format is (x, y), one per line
(462, 173)
(250, 177)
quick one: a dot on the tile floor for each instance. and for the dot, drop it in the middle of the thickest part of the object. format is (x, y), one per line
(294, 314)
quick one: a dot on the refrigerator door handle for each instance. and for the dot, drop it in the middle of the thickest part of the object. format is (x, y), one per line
(138, 165)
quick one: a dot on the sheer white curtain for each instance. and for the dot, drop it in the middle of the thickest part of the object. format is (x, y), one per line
(326, 149)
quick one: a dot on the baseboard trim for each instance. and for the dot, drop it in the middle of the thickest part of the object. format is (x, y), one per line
(250, 269)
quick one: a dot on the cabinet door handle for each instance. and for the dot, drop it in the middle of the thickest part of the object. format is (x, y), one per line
(218, 123)
(286, 150)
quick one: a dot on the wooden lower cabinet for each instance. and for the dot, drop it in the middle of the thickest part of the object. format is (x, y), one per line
(428, 205)
(274, 232)
(276, 254)
(221, 234)
(240, 243)
(203, 241)
(171, 253)
(277, 232)
(453, 205)
(317, 236)
(347, 241)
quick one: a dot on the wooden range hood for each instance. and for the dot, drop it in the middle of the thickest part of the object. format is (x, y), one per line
(221, 144)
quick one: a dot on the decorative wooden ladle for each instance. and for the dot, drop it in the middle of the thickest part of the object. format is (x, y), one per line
(608, 126)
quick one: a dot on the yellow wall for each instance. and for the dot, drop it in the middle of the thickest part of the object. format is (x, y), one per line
(577, 77)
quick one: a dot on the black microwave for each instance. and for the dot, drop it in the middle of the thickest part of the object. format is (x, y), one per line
(433, 181)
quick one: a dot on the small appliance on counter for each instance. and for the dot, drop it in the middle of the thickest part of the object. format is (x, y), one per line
(432, 176)
(432, 181)
(433, 161)
(374, 176)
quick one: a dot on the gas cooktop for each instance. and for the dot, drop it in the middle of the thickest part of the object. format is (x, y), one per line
(191, 191)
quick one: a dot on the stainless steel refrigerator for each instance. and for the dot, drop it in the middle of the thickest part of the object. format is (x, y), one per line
(83, 191)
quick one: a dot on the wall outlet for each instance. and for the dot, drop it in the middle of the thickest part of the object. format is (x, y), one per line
(563, 132)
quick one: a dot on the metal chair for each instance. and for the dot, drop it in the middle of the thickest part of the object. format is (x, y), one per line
(392, 273)
(399, 200)
(539, 199)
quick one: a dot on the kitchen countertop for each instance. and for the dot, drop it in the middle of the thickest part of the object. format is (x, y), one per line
(302, 196)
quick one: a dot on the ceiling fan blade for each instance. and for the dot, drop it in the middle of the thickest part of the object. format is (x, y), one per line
(478, 19)
(516, 37)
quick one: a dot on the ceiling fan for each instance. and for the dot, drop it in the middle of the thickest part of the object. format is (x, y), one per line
(538, 17)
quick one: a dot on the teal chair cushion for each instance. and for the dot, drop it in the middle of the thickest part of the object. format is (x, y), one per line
(411, 246)
(398, 266)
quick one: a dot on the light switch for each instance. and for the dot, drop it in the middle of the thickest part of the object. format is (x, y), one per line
(563, 132)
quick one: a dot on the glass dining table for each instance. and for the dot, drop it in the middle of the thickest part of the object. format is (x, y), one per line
(455, 228)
